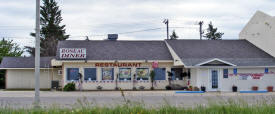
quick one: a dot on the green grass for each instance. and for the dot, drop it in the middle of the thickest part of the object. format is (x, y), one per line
(224, 108)
(83, 106)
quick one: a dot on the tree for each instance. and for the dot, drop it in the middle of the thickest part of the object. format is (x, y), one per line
(152, 76)
(174, 36)
(10, 49)
(51, 30)
(212, 33)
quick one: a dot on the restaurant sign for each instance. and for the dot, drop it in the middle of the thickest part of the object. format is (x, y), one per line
(117, 64)
(72, 53)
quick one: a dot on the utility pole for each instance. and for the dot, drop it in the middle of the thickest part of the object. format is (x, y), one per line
(166, 21)
(201, 23)
(37, 55)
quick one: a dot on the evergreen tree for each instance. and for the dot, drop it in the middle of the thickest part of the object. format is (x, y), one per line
(174, 36)
(212, 33)
(51, 30)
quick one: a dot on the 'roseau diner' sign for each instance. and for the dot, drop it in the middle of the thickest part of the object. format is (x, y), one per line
(72, 53)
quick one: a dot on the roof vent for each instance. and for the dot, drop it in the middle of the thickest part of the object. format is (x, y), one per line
(112, 36)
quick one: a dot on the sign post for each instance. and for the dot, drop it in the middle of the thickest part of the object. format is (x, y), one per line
(37, 55)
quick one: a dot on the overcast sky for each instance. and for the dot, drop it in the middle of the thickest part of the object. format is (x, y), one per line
(96, 18)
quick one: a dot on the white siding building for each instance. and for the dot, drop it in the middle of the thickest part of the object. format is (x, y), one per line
(216, 65)
(260, 31)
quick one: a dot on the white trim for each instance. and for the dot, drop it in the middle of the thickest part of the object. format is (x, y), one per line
(25, 68)
(59, 62)
(115, 60)
(229, 66)
(174, 55)
(215, 59)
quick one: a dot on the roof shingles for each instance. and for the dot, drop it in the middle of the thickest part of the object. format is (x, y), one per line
(238, 52)
(192, 52)
(24, 62)
(119, 50)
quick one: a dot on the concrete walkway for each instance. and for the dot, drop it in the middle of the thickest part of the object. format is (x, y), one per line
(24, 99)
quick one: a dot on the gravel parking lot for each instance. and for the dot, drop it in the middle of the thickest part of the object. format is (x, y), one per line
(25, 99)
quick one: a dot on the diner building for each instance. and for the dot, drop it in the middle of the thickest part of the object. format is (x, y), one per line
(108, 64)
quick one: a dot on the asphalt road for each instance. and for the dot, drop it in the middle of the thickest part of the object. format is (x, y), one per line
(24, 99)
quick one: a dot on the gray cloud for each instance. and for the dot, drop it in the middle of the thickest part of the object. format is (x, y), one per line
(94, 17)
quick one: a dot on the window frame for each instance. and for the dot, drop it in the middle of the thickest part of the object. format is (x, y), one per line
(225, 75)
(147, 75)
(121, 79)
(95, 73)
(67, 74)
(165, 70)
(182, 71)
(113, 73)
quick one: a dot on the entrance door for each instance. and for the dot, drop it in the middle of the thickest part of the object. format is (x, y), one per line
(214, 79)
(176, 73)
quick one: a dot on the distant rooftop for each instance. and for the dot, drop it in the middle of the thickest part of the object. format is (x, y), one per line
(25, 62)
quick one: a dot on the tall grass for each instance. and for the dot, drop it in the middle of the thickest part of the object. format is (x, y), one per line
(84, 107)
(217, 109)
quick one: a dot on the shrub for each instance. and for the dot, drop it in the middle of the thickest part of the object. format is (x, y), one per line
(168, 87)
(141, 87)
(99, 87)
(196, 88)
(69, 87)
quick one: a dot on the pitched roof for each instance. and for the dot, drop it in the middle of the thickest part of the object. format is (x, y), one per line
(191, 52)
(119, 50)
(24, 62)
(238, 52)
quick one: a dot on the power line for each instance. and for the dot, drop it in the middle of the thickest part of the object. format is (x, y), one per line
(139, 31)
(127, 32)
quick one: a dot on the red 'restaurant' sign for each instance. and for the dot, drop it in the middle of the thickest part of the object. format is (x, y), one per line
(72, 53)
(117, 64)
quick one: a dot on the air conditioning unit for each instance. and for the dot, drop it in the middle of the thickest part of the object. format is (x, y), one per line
(59, 72)
(112, 36)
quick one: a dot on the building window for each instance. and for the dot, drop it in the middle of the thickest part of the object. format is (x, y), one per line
(142, 73)
(225, 73)
(107, 73)
(235, 71)
(72, 74)
(89, 74)
(124, 73)
(266, 70)
(177, 73)
(160, 73)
